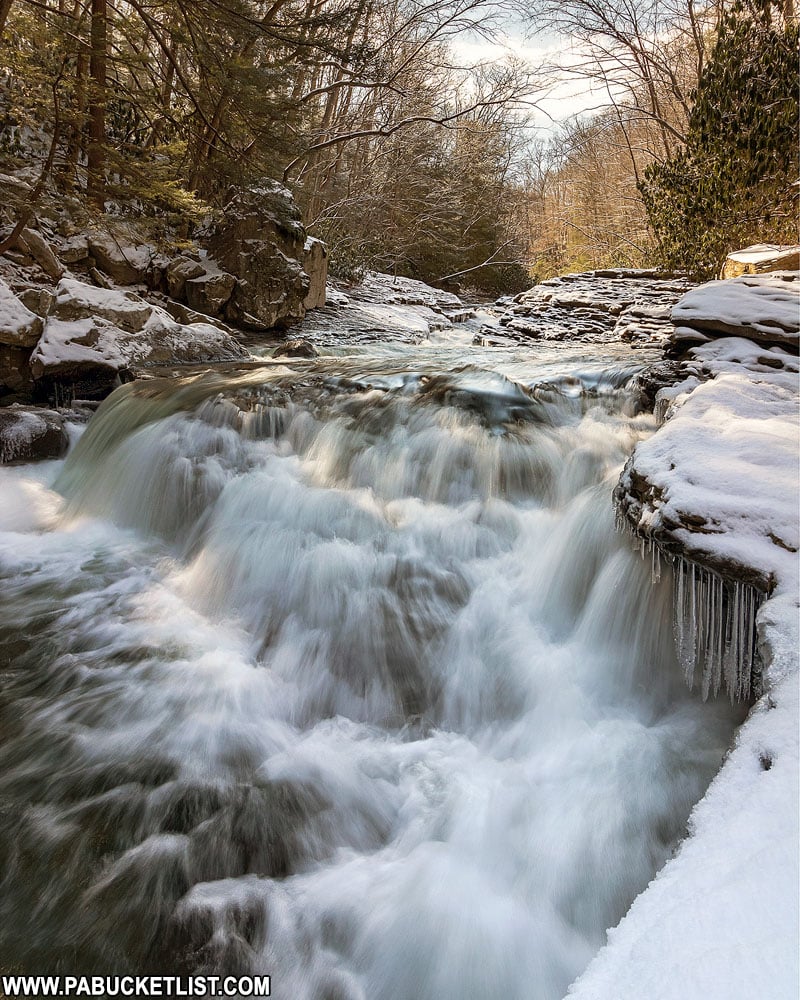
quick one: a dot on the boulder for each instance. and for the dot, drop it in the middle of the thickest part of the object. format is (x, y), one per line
(75, 300)
(761, 258)
(296, 348)
(127, 264)
(315, 264)
(165, 341)
(74, 250)
(80, 350)
(270, 290)
(260, 239)
(186, 316)
(178, 272)
(265, 211)
(28, 434)
(95, 337)
(19, 326)
(209, 293)
(38, 300)
(37, 246)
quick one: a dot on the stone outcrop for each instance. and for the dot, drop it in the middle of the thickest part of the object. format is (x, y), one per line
(716, 485)
(253, 266)
(261, 240)
(16, 380)
(296, 348)
(29, 434)
(90, 338)
(384, 307)
(210, 292)
(33, 243)
(75, 300)
(178, 272)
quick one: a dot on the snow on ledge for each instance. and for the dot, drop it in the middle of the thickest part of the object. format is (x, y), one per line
(763, 306)
(720, 920)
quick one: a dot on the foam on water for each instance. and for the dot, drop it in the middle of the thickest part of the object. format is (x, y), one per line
(354, 686)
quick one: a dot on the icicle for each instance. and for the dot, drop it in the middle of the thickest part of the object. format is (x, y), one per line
(714, 622)
(715, 630)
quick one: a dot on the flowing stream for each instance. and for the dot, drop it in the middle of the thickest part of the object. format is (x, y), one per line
(338, 671)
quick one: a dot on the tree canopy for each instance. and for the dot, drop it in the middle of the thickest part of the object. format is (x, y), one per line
(735, 180)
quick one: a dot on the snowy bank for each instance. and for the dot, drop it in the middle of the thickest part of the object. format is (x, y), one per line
(718, 485)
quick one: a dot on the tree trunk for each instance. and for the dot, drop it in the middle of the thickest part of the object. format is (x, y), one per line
(95, 185)
(5, 7)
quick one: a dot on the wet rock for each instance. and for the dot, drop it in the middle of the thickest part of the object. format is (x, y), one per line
(28, 434)
(298, 348)
(655, 378)
(597, 306)
(19, 325)
(16, 380)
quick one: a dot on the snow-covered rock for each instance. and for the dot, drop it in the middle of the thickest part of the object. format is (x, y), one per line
(28, 434)
(79, 348)
(718, 482)
(397, 290)
(96, 334)
(76, 300)
(759, 258)
(73, 249)
(764, 308)
(19, 326)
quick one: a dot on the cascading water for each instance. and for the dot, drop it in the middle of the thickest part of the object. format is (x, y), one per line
(345, 678)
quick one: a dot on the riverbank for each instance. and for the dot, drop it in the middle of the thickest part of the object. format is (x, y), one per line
(716, 490)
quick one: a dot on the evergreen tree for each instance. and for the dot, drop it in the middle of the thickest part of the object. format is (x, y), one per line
(734, 183)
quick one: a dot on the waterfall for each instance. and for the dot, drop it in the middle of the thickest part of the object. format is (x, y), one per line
(348, 679)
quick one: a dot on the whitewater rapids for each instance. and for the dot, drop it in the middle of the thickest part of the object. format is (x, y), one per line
(340, 673)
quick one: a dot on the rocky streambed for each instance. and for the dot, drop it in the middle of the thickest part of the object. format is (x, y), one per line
(408, 468)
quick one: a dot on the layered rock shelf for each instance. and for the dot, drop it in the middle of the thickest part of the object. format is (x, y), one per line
(593, 306)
